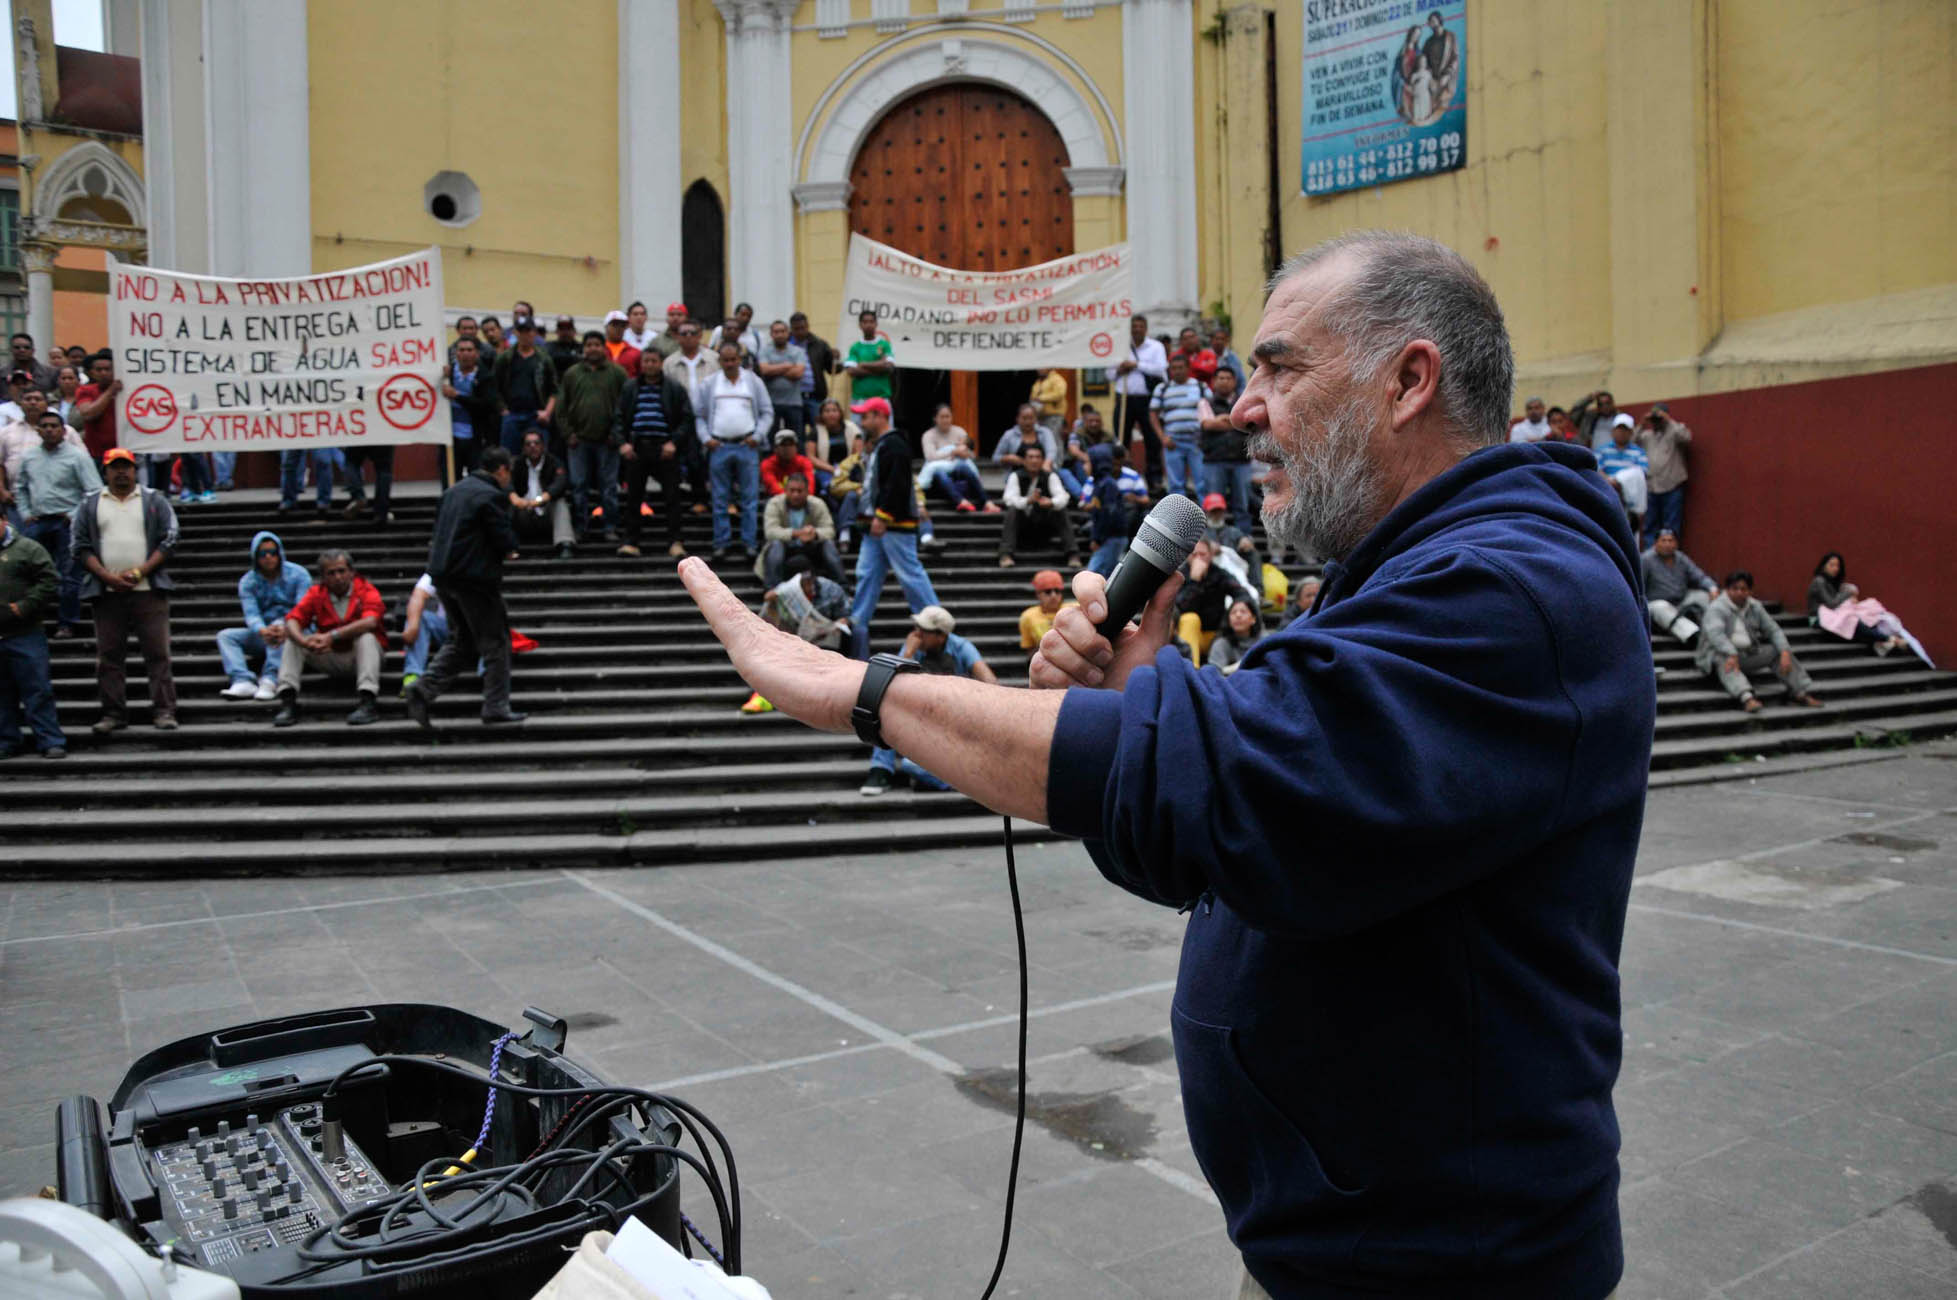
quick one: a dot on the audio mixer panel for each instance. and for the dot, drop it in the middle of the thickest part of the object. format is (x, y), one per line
(255, 1187)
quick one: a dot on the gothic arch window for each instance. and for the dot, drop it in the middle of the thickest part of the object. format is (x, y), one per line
(91, 183)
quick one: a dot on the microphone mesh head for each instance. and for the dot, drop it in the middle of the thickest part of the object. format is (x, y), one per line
(1178, 523)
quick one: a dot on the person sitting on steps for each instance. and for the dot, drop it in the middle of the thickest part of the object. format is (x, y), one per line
(337, 626)
(1739, 638)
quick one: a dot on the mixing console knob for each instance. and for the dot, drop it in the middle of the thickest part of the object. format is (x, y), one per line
(292, 1191)
(194, 1134)
(204, 1150)
(251, 1120)
(250, 1178)
(209, 1170)
(218, 1189)
(230, 1209)
(264, 1200)
(223, 1127)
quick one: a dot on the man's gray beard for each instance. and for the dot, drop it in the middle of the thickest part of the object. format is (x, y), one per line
(1334, 487)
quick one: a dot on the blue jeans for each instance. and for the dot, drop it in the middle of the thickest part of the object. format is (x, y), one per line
(224, 464)
(515, 425)
(879, 555)
(846, 511)
(735, 469)
(432, 636)
(292, 477)
(196, 474)
(25, 689)
(1665, 510)
(1183, 464)
(1070, 481)
(586, 461)
(1106, 556)
(54, 534)
(888, 760)
(1231, 478)
(234, 643)
(956, 478)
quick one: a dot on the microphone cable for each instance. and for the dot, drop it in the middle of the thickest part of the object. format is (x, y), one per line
(1019, 1120)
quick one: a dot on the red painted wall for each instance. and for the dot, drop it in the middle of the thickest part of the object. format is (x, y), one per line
(1865, 465)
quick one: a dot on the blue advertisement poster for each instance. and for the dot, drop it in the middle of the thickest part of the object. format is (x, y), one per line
(1386, 94)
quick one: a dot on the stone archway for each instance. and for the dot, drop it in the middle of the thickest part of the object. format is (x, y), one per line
(970, 175)
(863, 95)
(89, 197)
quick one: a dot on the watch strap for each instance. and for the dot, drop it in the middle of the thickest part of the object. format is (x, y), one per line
(867, 716)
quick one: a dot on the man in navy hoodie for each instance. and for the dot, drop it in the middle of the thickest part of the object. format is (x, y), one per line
(1397, 1039)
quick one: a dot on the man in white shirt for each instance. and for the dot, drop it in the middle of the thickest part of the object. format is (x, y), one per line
(1146, 365)
(1036, 509)
(637, 336)
(123, 536)
(1534, 424)
(734, 416)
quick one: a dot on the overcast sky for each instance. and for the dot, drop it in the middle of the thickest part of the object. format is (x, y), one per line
(76, 22)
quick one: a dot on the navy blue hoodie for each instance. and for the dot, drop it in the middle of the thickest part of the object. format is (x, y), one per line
(1406, 825)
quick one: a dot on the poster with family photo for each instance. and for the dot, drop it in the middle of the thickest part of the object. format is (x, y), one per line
(1385, 92)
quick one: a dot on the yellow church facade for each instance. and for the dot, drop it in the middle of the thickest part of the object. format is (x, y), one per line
(1669, 196)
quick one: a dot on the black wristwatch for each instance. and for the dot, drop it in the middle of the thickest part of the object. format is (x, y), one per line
(867, 716)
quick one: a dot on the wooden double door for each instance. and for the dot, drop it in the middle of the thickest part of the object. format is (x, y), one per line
(969, 176)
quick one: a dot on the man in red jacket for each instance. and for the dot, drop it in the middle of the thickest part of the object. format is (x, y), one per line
(787, 460)
(336, 627)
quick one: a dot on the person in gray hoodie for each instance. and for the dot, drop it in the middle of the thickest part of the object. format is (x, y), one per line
(268, 591)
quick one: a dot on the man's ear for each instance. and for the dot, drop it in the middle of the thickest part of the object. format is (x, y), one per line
(1416, 381)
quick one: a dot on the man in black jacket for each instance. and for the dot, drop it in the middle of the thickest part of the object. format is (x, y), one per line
(653, 431)
(539, 498)
(472, 537)
(890, 537)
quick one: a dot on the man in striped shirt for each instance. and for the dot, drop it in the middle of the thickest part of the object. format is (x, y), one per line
(1175, 412)
(653, 428)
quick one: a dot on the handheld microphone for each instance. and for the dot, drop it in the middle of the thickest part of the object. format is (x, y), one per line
(1163, 543)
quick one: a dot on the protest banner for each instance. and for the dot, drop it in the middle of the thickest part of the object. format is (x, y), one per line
(340, 359)
(1386, 91)
(1070, 312)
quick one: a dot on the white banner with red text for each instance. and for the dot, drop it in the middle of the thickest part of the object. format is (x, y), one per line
(1068, 313)
(340, 359)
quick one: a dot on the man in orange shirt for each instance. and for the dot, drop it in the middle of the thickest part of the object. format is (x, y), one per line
(623, 354)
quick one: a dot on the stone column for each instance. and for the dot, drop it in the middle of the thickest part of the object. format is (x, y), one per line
(760, 142)
(1159, 112)
(649, 182)
(259, 137)
(37, 260)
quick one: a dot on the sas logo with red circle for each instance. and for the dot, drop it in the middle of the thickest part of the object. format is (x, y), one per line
(406, 401)
(151, 409)
(1101, 344)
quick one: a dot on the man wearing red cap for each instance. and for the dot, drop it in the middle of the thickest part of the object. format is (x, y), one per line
(890, 538)
(667, 341)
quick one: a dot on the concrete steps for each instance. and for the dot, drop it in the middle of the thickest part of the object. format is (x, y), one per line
(635, 751)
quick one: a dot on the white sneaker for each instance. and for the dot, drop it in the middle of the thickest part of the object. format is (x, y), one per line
(238, 691)
(268, 689)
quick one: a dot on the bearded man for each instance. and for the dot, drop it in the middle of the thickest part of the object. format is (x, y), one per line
(1397, 1037)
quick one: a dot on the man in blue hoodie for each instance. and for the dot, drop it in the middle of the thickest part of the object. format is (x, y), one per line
(268, 591)
(1397, 1038)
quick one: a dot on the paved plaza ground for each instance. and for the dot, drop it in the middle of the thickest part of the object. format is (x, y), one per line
(1789, 1095)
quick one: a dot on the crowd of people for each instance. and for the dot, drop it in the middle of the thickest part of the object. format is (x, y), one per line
(559, 441)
